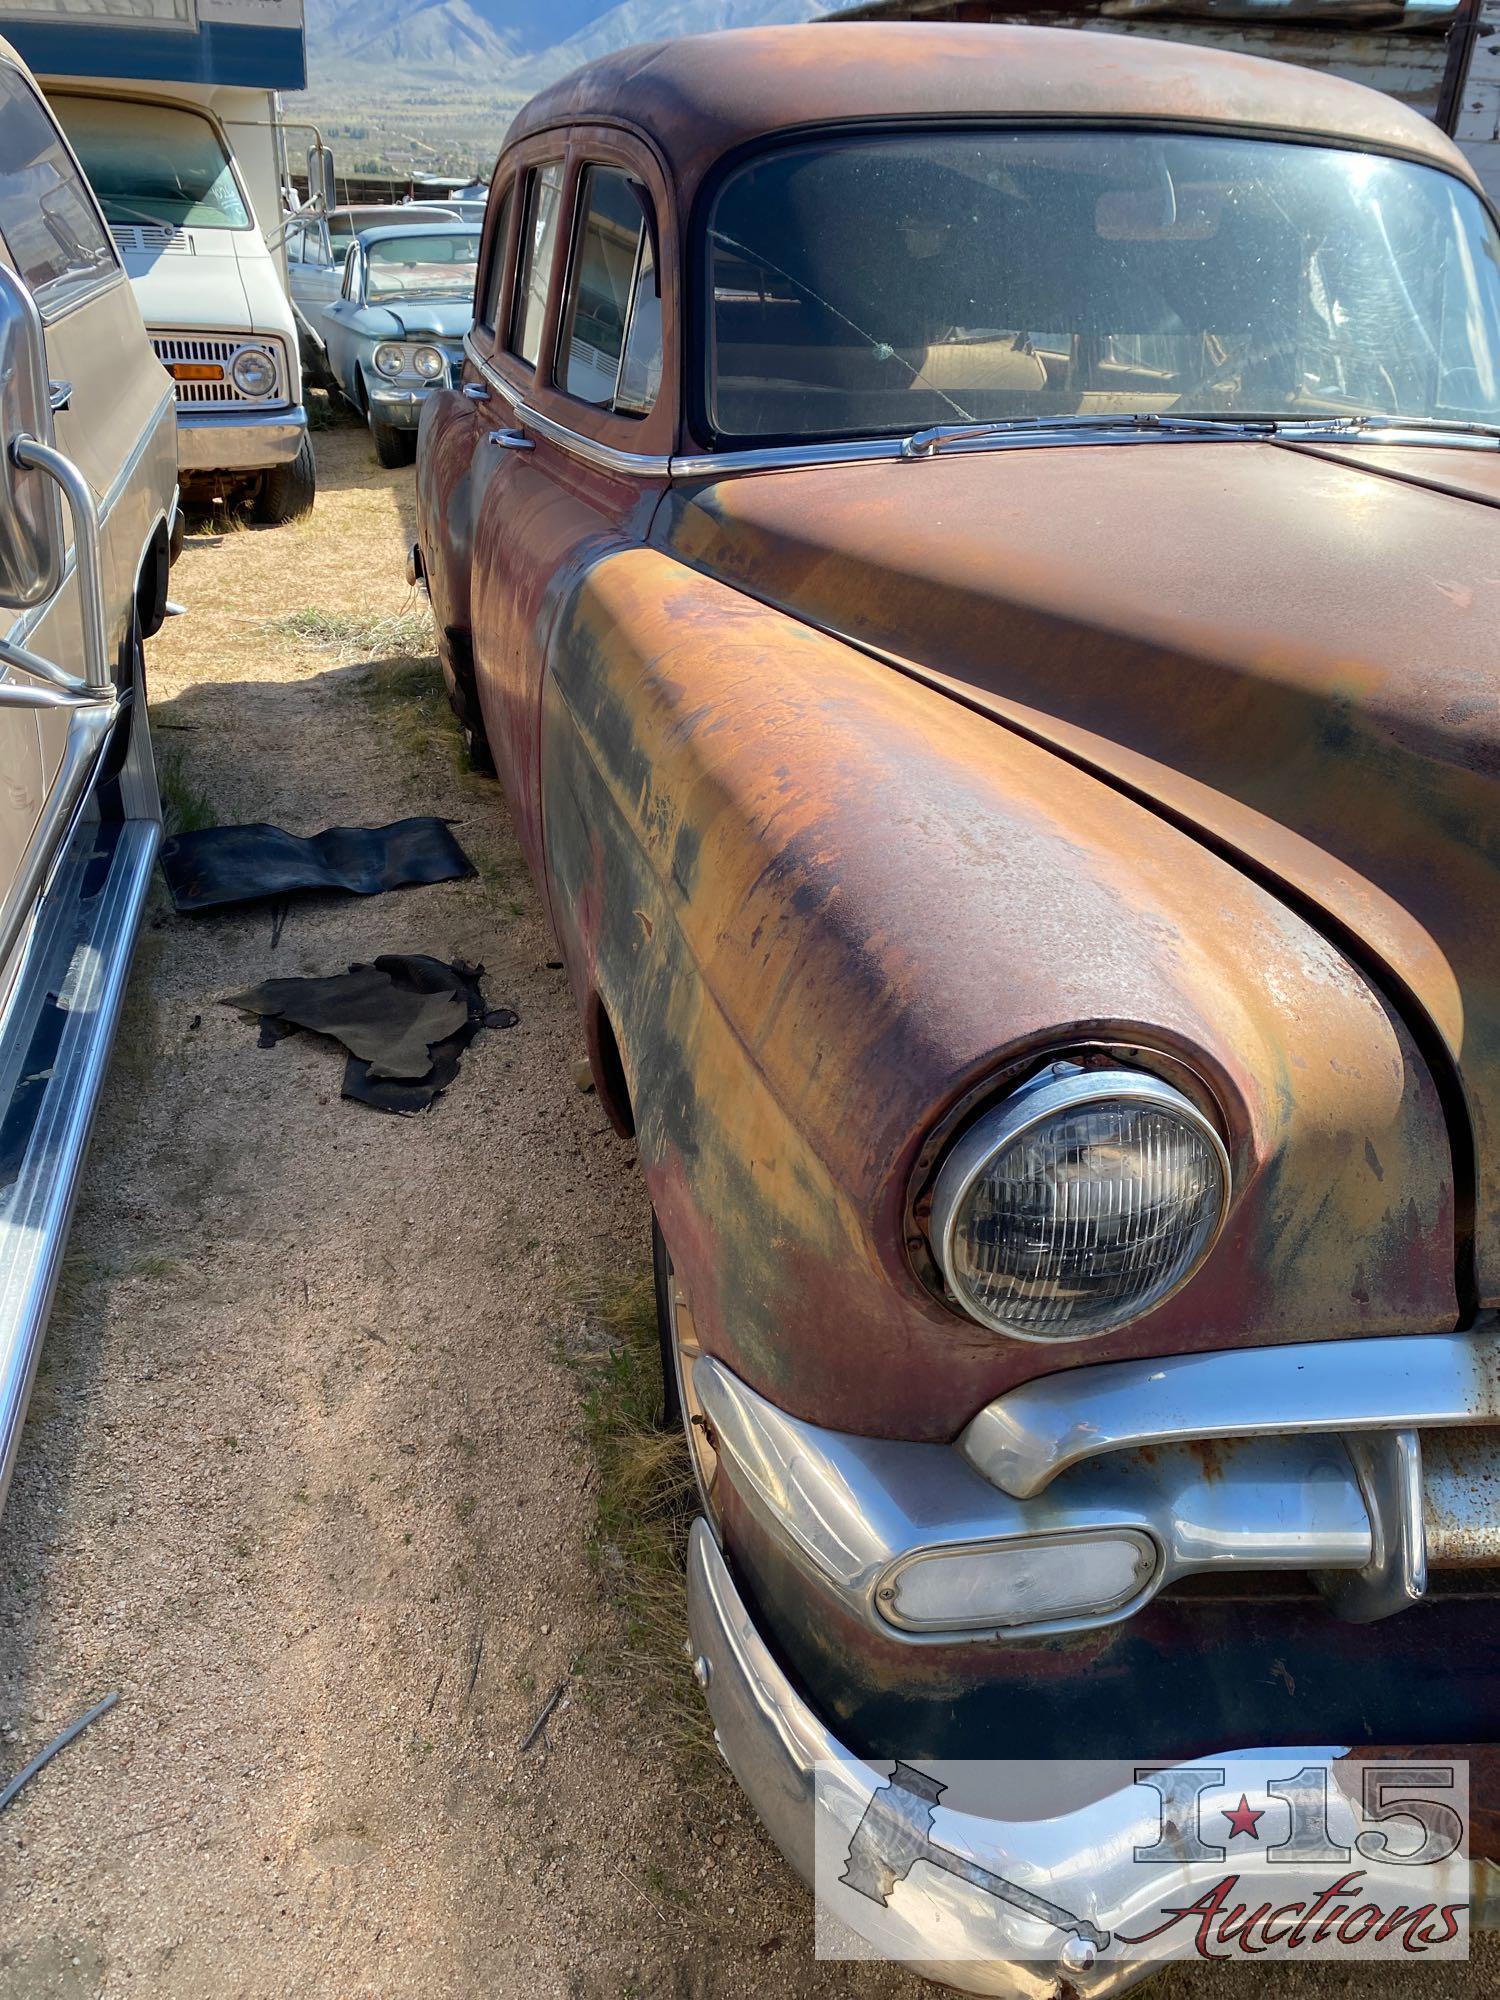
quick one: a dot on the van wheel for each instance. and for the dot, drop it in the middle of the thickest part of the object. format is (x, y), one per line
(679, 1350)
(392, 446)
(287, 491)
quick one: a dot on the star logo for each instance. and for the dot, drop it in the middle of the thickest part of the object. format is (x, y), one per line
(1243, 1818)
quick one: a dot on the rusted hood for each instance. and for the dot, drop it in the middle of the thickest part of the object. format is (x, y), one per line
(1297, 654)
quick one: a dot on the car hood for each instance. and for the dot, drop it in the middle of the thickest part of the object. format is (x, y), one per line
(1293, 651)
(419, 319)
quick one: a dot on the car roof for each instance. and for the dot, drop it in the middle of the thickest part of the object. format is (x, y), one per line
(386, 230)
(700, 96)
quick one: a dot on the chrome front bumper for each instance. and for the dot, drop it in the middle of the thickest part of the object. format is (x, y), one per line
(814, 1796)
(239, 440)
(401, 409)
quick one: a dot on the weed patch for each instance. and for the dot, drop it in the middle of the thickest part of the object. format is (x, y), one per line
(645, 1501)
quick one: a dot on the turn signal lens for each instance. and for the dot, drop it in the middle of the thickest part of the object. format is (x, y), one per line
(1081, 1202)
(389, 359)
(1013, 1584)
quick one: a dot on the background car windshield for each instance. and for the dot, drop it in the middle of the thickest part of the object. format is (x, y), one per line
(345, 224)
(422, 266)
(883, 285)
(152, 164)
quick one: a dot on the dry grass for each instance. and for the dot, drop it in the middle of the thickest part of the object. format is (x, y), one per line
(185, 804)
(644, 1506)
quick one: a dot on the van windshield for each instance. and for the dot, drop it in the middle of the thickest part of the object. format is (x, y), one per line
(885, 284)
(153, 164)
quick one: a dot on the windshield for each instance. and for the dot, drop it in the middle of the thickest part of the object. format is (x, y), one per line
(345, 224)
(154, 164)
(881, 285)
(427, 266)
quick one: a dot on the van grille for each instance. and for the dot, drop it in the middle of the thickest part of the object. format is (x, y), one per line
(135, 238)
(199, 350)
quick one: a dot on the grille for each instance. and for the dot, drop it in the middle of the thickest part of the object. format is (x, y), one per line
(201, 348)
(134, 238)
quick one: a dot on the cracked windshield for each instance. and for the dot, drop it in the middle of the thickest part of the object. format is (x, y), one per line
(883, 285)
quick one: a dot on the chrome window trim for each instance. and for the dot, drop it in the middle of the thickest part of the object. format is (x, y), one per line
(1026, 1437)
(687, 466)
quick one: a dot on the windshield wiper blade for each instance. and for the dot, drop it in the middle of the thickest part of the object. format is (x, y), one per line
(928, 443)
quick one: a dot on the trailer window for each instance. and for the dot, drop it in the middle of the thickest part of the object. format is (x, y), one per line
(51, 227)
(154, 165)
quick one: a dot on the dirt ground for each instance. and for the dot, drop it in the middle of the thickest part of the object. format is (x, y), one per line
(303, 1477)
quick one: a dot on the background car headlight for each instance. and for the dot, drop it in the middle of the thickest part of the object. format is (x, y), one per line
(1078, 1203)
(388, 358)
(253, 372)
(428, 363)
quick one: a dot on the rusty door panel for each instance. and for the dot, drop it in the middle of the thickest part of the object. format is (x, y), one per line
(821, 901)
(1300, 656)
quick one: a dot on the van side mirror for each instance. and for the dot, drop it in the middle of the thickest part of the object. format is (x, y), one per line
(321, 191)
(31, 522)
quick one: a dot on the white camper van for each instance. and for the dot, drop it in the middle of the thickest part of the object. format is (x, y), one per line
(175, 118)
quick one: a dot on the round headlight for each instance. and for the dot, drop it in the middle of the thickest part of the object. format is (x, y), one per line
(389, 359)
(1079, 1203)
(253, 372)
(428, 363)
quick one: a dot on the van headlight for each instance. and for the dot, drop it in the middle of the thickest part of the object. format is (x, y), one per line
(253, 372)
(389, 359)
(1078, 1203)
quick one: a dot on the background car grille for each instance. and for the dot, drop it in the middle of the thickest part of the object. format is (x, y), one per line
(200, 348)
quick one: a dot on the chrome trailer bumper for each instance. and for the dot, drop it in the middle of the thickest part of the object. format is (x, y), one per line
(238, 440)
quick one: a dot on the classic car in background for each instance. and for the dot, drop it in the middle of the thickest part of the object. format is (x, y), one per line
(972, 552)
(317, 248)
(87, 435)
(395, 331)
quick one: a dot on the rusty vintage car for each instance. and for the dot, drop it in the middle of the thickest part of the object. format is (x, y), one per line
(973, 553)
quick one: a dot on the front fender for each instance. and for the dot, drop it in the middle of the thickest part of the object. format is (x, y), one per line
(821, 902)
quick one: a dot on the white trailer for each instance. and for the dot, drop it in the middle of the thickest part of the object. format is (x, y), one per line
(173, 107)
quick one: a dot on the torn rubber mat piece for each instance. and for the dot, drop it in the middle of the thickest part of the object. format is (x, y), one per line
(220, 865)
(406, 1021)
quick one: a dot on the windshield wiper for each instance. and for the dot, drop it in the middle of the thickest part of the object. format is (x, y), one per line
(1439, 426)
(927, 444)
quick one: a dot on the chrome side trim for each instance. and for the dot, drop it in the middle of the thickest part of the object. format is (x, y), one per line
(79, 961)
(629, 464)
(854, 1510)
(1026, 1437)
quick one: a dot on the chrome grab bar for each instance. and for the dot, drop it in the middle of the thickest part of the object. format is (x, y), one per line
(1393, 1382)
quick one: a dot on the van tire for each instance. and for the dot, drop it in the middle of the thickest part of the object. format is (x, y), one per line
(287, 491)
(393, 447)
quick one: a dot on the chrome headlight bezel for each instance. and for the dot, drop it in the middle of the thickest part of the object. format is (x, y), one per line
(436, 364)
(389, 359)
(1060, 1089)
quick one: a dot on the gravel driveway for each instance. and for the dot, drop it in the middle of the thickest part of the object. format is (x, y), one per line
(302, 1477)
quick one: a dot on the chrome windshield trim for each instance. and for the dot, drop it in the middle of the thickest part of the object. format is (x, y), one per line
(1025, 1438)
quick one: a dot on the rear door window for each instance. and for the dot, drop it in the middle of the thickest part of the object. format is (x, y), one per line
(610, 341)
(495, 276)
(534, 259)
(47, 216)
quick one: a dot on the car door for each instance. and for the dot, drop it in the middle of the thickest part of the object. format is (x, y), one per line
(316, 283)
(577, 418)
(339, 326)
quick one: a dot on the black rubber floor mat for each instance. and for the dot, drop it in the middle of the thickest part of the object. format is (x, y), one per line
(406, 1021)
(221, 865)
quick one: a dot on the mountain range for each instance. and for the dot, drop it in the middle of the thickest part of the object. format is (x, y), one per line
(519, 45)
